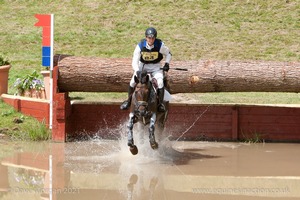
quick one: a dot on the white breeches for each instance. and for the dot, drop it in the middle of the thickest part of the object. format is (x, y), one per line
(154, 70)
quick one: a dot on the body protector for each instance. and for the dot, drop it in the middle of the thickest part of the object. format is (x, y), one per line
(150, 56)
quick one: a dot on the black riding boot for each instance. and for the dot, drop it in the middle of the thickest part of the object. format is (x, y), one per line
(126, 104)
(160, 94)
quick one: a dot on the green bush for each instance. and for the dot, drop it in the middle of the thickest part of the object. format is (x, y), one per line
(4, 60)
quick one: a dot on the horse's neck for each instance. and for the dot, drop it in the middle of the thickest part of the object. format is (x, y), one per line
(152, 100)
(132, 106)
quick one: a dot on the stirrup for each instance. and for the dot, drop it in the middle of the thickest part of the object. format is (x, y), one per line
(125, 105)
(161, 108)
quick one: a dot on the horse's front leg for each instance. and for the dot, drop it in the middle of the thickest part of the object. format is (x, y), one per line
(153, 143)
(133, 149)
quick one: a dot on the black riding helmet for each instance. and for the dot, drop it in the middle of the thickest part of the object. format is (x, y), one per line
(151, 32)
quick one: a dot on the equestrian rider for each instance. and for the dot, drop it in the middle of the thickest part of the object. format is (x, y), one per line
(147, 56)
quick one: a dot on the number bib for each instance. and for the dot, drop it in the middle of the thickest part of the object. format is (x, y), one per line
(150, 56)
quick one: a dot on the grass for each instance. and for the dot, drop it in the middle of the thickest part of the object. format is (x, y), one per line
(193, 29)
(20, 127)
(252, 137)
(197, 29)
(247, 98)
(204, 98)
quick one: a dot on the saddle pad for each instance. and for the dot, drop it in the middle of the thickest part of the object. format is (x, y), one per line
(167, 96)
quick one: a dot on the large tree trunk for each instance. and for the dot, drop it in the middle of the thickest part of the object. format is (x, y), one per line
(90, 74)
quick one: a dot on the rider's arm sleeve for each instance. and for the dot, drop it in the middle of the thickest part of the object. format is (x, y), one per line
(136, 58)
(166, 51)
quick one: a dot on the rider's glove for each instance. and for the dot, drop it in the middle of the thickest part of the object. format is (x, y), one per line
(166, 67)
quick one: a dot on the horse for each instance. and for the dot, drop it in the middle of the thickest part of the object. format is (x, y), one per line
(143, 109)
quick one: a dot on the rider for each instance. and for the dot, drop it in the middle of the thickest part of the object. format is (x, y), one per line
(147, 56)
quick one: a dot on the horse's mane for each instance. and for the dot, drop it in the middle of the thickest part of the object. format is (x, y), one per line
(142, 76)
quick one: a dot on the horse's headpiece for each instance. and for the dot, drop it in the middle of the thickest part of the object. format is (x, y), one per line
(141, 77)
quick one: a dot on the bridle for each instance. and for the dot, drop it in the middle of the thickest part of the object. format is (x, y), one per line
(138, 104)
(141, 103)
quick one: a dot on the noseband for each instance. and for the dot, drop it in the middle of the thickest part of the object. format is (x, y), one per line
(138, 104)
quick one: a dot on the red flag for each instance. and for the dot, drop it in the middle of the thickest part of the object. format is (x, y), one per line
(44, 20)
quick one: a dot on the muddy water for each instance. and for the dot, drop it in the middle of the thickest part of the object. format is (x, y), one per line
(105, 169)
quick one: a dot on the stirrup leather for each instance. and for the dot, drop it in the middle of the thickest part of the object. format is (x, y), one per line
(161, 108)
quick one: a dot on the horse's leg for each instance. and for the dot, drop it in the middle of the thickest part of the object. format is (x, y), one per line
(133, 149)
(153, 143)
(130, 128)
(140, 128)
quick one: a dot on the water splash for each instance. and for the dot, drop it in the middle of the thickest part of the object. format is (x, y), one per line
(109, 152)
(138, 175)
(97, 154)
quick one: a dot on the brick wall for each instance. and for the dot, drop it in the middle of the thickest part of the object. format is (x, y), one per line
(38, 108)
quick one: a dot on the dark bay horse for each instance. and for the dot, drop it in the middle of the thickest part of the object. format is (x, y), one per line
(143, 110)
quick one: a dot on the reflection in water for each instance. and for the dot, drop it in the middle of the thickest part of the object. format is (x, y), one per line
(29, 178)
(105, 169)
(111, 166)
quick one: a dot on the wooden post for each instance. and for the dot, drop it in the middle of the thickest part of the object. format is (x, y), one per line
(61, 111)
(235, 122)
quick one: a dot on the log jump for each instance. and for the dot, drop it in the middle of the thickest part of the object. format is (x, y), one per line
(218, 122)
(91, 74)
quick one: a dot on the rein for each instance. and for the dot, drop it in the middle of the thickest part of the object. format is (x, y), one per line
(141, 103)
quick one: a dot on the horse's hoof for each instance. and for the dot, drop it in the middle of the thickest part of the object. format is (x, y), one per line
(154, 145)
(134, 150)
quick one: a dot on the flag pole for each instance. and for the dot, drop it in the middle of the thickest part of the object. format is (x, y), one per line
(47, 22)
(51, 73)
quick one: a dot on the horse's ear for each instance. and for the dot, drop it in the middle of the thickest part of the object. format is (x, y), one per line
(147, 78)
(143, 73)
(136, 80)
